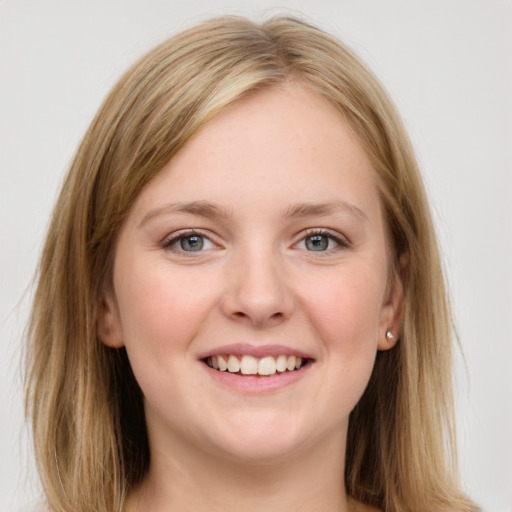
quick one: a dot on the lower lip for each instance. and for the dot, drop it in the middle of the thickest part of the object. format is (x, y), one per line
(252, 384)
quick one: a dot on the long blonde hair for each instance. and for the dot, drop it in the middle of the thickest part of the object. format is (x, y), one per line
(86, 407)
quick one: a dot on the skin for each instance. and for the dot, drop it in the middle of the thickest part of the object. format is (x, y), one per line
(256, 281)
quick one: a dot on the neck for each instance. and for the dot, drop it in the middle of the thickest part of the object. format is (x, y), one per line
(189, 481)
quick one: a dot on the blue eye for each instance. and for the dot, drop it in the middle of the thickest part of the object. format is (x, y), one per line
(189, 242)
(320, 241)
(192, 243)
(317, 243)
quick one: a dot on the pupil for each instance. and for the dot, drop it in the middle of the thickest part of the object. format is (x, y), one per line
(192, 243)
(317, 243)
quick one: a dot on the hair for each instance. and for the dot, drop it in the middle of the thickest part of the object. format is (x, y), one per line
(86, 407)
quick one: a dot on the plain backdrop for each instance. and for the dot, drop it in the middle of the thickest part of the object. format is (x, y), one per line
(446, 63)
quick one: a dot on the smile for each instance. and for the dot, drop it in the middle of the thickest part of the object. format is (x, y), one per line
(254, 369)
(250, 365)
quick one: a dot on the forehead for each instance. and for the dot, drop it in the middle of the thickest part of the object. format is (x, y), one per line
(279, 146)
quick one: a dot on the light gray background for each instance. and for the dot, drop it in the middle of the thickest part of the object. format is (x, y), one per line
(447, 64)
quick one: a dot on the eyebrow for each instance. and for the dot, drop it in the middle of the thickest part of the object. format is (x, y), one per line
(211, 210)
(324, 209)
(201, 208)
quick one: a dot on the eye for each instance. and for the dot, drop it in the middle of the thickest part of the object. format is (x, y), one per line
(188, 242)
(321, 241)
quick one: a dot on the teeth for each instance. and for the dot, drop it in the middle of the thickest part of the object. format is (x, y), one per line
(267, 366)
(223, 365)
(281, 364)
(249, 365)
(233, 364)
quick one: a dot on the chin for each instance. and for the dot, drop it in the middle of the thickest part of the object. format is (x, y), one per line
(262, 440)
(262, 453)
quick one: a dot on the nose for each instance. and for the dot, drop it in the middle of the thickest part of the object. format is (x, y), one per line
(257, 292)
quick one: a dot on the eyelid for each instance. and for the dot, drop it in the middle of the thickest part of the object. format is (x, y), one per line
(171, 239)
(167, 243)
(342, 241)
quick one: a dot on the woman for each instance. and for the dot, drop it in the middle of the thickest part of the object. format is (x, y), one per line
(240, 301)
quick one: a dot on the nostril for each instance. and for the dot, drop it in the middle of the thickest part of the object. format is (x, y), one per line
(256, 319)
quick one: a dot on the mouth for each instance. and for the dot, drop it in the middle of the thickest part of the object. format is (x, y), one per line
(256, 369)
(265, 366)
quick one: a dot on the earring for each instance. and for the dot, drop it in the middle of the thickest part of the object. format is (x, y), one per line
(390, 336)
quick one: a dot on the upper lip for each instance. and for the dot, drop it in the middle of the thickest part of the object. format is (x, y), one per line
(258, 351)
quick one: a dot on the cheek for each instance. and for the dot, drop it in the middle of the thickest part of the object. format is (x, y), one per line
(345, 313)
(347, 306)
(161, 309)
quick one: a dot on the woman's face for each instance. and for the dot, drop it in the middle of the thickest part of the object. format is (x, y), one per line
(261, 247)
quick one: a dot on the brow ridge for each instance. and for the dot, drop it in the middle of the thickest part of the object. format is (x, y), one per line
(211, 210)
(201, 208)
(323, 209)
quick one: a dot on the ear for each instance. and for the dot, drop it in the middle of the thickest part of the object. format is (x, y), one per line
(108, 322)
(393, 308)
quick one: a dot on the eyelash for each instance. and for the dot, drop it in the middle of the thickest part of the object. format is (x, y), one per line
(342, 243)
(176, 237)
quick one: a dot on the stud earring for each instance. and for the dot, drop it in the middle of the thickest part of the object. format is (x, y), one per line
(390, 336)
